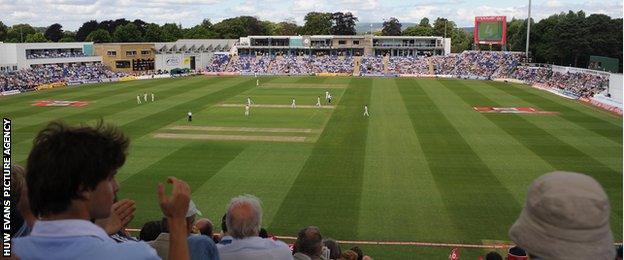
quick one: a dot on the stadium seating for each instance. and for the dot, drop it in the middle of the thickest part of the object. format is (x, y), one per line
(24, 80)
(471, 64)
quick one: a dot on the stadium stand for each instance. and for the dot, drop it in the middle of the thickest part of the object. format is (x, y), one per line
(218, 63)
(469, 64)
(408, 65)
(25, 80)
(372, 65)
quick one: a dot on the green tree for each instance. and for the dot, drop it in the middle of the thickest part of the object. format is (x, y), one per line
(233, 28)
(153, 33)
(171, 32)
(99, 36)
(36, 37)
(317, 24)
(344, 23)
(54, 32)
(392, 27)
(460, 40)
(127, 33)
(18, 32)
(198, 32)
(3, 31)
(86, 29)
(424, 22)
(207, 24)
(418, 31)
(443, 26)
(288, 27)
(68, 36)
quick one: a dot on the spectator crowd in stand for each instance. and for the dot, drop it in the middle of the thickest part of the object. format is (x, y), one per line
(218, 63)
(474, 64)
(408, 65)
(580, 84)
(47, 54)
(372, 65)
(27, 79)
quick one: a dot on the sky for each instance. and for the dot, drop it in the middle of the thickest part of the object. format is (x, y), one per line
(72, 13)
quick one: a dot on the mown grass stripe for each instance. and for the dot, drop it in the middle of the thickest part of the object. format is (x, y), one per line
(557, 153)
(590, 122)
(394, 164)
(468, 187)
(193, 163)
(328, 189)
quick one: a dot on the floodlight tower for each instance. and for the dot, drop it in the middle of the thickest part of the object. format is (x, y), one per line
(528, 31)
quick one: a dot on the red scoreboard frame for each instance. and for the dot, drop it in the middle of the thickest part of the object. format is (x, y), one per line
(479, 19)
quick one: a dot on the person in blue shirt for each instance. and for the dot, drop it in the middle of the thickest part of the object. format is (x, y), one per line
(71, 180)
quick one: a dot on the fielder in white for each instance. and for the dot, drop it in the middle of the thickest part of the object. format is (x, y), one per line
(257, 83)
(318, 101)
(145, 96)
(138, 99)
(247, 110)
(152, 97)
(366, 110)
(249, 101)
(293, 105)
(326, 95)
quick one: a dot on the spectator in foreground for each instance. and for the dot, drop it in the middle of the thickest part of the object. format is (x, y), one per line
(493, 256)
(204, 226)
(225, 238)
(334, 248)
(71, 180)
(150, 231)
(200, 247)
(243, 221)
(349, 255)
(115, 225)
(23, 218)
(566, 216)
(309, 244)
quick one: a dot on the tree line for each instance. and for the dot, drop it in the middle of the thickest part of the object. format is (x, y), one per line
(564, 39)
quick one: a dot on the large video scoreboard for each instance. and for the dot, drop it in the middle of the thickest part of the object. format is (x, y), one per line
(490, 30)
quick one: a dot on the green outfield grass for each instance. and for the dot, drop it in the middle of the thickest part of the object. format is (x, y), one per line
(423, 167)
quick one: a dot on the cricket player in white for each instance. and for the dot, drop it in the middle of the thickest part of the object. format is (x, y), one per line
(318, 101)
(249, 102)
(326, 95)
(152, 97)
(329, 98)
(145, 96)
(366, 110)
(293, 105)
(190, 116)
(257, 83)
(138, 99)
(247, 110)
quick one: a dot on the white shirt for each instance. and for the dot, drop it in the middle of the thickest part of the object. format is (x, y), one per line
(189, 114)
(76, 239)
(252, 248)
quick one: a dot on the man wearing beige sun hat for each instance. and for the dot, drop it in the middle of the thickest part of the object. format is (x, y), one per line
(566, 216)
